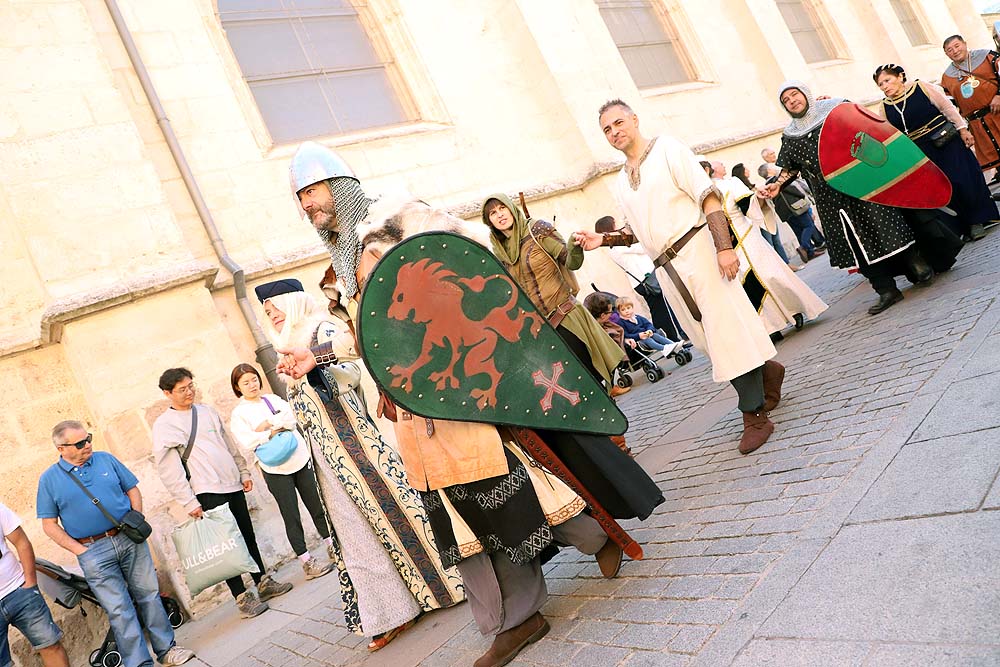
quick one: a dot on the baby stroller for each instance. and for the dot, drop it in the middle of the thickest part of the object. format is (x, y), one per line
(67, 589)
(645, 359)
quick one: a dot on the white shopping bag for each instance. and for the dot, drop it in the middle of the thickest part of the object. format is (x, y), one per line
(212, 549)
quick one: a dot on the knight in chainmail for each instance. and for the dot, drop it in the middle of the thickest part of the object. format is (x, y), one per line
(349, 207)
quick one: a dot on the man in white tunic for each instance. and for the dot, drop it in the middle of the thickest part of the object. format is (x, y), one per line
(779, 296)
(675, 212)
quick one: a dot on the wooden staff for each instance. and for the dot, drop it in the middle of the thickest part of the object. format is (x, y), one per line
(524, 207)
(542, 453)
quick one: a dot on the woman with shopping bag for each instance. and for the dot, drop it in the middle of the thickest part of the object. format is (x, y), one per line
(389, 566)
(264, 427)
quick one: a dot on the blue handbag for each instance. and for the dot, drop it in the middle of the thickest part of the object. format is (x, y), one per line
(279, 448)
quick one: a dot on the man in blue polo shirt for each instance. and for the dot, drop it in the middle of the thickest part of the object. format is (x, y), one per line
(117, 569)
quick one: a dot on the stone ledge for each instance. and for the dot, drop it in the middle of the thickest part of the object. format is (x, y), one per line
(279, 263)
(80, 305)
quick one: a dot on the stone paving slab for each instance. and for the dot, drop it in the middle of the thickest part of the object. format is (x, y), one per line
(897, 581)
(934, 655)
(801, 653)
(938, 476)
(965, 408)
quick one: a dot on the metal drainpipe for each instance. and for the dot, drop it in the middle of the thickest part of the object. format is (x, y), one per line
(266, 356)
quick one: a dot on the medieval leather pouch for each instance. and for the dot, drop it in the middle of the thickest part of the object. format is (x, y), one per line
(941, 136)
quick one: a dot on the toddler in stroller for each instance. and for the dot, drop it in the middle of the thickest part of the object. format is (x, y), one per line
(68, 589)
(643, 350)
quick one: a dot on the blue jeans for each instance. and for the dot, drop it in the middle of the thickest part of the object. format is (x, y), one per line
(775, 243)
(119, 571)
(656, 342)
(805, 228)
(25, 609)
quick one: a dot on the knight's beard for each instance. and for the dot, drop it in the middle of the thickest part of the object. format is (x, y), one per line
(325, 218)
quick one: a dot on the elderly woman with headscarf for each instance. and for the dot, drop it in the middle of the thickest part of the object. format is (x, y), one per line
(389, 566)
(873, 238)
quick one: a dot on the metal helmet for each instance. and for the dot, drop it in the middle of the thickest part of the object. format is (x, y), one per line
(313, 163)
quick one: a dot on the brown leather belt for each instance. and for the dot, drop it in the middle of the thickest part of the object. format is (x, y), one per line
(664, 260)
(94, 538)
(561, 311)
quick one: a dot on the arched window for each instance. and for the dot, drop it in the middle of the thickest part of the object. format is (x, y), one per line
(807, 29)
(647, 42)
(907, 15)
(315, 67)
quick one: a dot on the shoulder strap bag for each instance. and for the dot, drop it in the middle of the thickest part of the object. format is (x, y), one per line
(133, 524)
(190, 444)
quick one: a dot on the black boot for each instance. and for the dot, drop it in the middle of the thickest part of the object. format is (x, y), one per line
(918, 271)
(886, 300)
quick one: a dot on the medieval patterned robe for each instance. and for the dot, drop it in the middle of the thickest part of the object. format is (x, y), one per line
(386, 558)
(773, 288)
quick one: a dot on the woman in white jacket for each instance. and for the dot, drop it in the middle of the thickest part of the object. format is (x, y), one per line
(255, 420)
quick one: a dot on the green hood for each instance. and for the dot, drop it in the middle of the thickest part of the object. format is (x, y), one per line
(507, 248)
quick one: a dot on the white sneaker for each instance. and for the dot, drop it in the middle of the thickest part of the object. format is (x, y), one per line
(678, 346)
(177, 655)
(313, 568)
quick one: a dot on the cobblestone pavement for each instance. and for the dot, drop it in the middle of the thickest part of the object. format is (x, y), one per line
(741, 559)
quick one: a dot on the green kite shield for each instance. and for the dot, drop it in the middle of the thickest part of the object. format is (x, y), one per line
(448, 334)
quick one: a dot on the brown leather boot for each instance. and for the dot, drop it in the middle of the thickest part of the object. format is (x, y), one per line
(509, 643)
(619, 441)
(774, 375)
(617, 391)
(609, 559)
(757, 428)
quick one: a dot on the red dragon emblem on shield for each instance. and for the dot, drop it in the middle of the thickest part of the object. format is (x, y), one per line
(428, 293)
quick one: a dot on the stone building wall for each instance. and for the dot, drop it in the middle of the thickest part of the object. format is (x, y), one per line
(108, 275)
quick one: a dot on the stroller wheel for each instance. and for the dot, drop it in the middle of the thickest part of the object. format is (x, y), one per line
(174, 613)
(624, 380)
(95, 658)
(687, 355)
(112, 659)
(800, 321)
(681, 359)
(652, 376)
(662, 373)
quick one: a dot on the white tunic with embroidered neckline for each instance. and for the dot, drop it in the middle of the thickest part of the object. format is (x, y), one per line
(666, 204)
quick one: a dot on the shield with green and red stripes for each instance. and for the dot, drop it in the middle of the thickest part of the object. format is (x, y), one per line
(864, 156)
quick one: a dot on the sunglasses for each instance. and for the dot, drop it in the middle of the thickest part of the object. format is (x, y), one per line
(80, 445)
